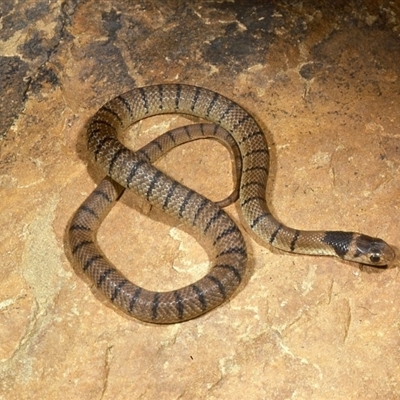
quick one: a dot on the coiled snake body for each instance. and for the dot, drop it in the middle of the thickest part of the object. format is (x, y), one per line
(134, 171)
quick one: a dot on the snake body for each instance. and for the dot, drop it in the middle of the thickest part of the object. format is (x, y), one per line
(133, 171)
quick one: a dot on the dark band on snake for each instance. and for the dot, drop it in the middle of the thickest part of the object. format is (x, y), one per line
(238, 131)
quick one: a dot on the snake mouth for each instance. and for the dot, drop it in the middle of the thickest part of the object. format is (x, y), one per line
(373, 251)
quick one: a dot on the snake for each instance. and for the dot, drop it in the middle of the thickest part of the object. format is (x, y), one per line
(125, 168)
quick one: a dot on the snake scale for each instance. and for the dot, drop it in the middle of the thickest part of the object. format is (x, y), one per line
(132, 170)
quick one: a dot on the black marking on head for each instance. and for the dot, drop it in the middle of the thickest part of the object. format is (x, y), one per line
(199, 210)
(113, 113)
(104, 276)
(275, 233)
(294, 240)
(201, 126)
(212, 103)
(134, 298)
(126, 103)
(257, 220)
(232, 269)
(117, 289)
(133, 171)
(153, 183)
(179, 304)
(339, 241)
(170, 193)
(91, 260)
(219, 284)
(226, 111)
(178, 96)
(249, 199)
(185, 202)
(371, 247)
(145, 100)
(80, 245)
(195, 98)
(232, 229)
(212, 220)
(200, 296)
(154, 305)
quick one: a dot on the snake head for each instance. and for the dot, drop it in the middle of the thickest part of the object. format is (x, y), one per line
(372, 251)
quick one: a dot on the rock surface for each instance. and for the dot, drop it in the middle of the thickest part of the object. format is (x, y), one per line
(323, 81)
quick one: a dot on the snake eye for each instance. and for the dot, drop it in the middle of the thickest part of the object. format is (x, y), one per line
(375, 258)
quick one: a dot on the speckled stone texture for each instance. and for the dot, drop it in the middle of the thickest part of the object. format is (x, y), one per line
(322, 79)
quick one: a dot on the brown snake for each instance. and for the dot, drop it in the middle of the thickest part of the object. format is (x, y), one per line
(133, 171)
